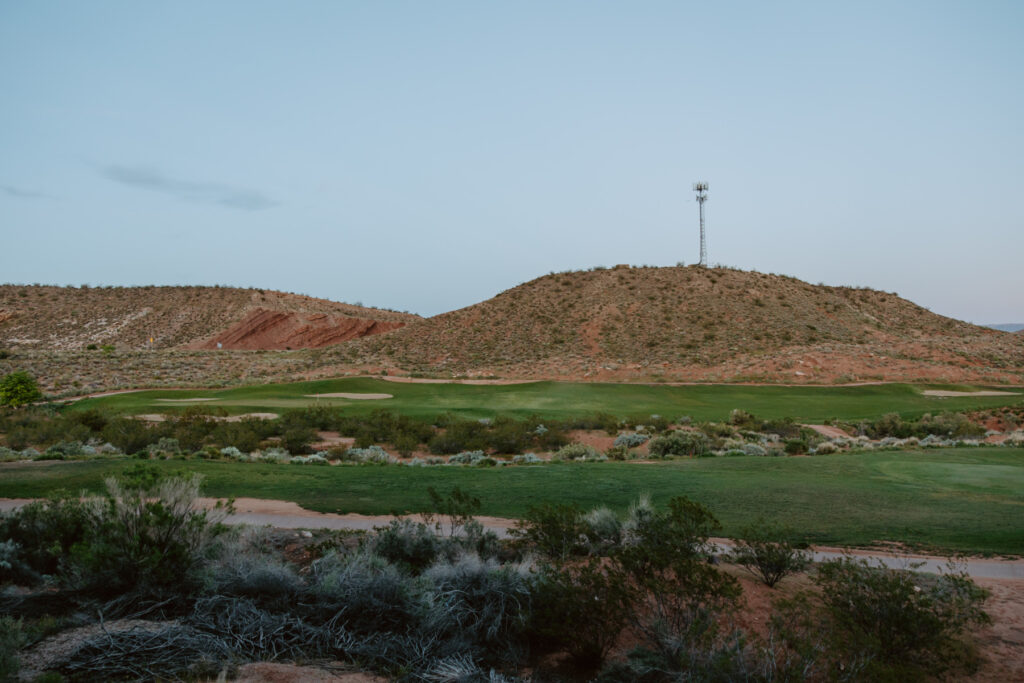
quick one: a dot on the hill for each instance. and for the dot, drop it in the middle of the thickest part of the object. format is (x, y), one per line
(691, 323)
(73, 318)
(1008, 327)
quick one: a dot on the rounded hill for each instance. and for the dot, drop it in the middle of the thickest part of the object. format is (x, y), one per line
(693, 323)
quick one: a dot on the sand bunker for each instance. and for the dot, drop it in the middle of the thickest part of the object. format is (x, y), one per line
(358, 397)
(952, 394)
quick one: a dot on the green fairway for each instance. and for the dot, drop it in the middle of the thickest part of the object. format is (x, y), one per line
(566, 399)
(968, 499)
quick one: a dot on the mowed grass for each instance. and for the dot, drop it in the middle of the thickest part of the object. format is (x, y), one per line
(968, 500)
(567, 399)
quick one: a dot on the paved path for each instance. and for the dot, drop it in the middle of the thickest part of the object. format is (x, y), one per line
(284, 515)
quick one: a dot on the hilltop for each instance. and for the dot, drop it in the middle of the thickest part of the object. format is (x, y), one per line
(75, 318)
(692, 323)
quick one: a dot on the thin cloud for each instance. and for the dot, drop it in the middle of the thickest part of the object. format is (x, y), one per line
(186, 190)
(19, 193)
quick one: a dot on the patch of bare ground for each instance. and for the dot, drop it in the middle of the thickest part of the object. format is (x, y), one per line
(277, 672)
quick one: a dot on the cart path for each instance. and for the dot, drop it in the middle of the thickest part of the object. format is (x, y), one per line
(283, 514)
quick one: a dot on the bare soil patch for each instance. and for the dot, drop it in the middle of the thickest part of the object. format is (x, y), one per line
(829, 431)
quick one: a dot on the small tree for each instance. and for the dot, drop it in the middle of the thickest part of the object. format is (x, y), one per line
(767, 553)
(18, 389)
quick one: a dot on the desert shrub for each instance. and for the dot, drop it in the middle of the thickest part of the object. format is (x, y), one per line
(12, 639)
(603, 530)
(165, 444)
(231, 452)
(826, 448)
(467, 458)
(795, 446)
(372, 455)
(297, 439)
(257, 576)
(576, 451)
(631, 440)
(459, 435)
(556, 532)
(604, 421)
(679, 442)
(145, 534)
(754, 449)
(898, 625)
(742, 419)
(785, 428)
(13, 568)
(129, 435)
(679, 595)
(716, 430)
(480, 603)
(46, 531)
(767, 552)
(456, 509)
(363, 591)
(311, 459)
(581, 609)
(409, 545)
(244, 436)
(527, 459)
(276, 454)
(950, 425)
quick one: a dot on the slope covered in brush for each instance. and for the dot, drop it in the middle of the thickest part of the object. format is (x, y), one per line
(71, 318)
(683, 320)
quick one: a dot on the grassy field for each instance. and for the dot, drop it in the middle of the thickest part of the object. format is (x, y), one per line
(566, 399)
(969, 499)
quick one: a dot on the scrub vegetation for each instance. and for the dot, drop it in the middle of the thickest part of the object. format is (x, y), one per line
(575, 596)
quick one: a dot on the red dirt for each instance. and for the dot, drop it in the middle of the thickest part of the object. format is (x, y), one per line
(265, 329)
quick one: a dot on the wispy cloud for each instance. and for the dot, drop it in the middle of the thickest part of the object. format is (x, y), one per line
(19, 193)
(187, 190)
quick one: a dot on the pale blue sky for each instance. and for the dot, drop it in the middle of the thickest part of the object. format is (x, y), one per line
(425, 156)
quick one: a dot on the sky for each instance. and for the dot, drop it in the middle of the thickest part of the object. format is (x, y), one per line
(425, 156)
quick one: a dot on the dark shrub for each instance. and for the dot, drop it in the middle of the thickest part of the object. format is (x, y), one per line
(679, 442)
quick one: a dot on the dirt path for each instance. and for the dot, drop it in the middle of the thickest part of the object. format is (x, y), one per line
(830, 432)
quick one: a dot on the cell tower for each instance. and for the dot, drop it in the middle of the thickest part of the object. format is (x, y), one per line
(701, 189)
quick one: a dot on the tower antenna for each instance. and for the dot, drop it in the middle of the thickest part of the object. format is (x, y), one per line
(701, 188)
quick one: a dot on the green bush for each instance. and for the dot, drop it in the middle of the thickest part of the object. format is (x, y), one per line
(557, 532)
(679, 442)
(18, 389)
(580, 609)
(144, 534)
(12, 639)
(899, 625)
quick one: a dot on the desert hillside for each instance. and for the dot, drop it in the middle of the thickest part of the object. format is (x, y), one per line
(73, 318)
(694, 323)
(618, 324)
